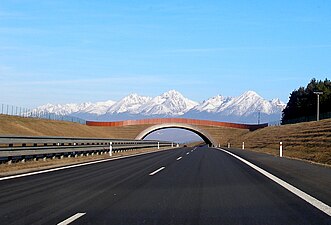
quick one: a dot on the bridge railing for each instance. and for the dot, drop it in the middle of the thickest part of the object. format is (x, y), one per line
(16, 148)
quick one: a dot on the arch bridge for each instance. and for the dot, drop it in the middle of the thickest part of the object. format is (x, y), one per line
(212, 132)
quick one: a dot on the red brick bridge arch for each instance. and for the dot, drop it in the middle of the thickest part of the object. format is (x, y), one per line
(212, 132)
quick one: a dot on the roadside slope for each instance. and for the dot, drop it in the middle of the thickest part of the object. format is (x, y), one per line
(11, 125)
(308, 141)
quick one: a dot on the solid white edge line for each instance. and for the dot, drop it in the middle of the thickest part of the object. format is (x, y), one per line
(71, 166)
(71, 219)
(179, 158)
(156, 171)
(308, 198)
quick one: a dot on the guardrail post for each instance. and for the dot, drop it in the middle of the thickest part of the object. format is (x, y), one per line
(158, 145)
(172, 144)
(110, 148)
(280, 149)
(229, 145)
(243, 147)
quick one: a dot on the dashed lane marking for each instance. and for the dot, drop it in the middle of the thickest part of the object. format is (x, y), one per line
(156, 171)
(71, 219)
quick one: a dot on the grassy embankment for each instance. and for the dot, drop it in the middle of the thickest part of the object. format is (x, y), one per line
(11, 125)
(308, 141)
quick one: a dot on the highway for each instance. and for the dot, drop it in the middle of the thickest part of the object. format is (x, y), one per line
(181, 186)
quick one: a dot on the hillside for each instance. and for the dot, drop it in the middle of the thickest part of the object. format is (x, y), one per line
(11, 125)
(309, 141)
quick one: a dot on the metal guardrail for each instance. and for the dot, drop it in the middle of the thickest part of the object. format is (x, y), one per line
(14, 148)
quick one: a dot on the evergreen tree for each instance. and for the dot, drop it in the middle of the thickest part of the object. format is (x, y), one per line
(303, 102)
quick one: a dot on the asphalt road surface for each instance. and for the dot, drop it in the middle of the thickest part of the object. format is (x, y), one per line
(183, 186)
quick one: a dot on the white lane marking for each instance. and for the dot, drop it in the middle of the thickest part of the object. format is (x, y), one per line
(187, 153)
(179, 158)
(71, 166)
(71, 219)
(195, 149)
(156, 171)
(308, 198)
(191, 150)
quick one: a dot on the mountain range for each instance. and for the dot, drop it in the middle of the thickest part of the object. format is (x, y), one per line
(246, 108)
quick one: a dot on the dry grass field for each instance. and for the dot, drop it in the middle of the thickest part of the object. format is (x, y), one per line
(309, 141)
(12, 125)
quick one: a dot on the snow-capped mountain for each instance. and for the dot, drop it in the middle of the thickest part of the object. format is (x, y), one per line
(130, 104)
(244, 104)
(97, 108)
(246, 108)
(248, 103)
(63, 109)
(211, 105)
(170, 103)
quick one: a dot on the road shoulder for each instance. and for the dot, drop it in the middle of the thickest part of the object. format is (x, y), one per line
(311, 178)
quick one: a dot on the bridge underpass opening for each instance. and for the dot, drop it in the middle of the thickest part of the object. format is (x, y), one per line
(176, 133)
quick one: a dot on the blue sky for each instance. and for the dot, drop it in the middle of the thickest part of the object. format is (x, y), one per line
(59, 51)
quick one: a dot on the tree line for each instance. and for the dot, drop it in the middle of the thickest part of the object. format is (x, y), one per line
(303, 102)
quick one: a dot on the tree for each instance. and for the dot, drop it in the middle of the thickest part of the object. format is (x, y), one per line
(303, 102)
